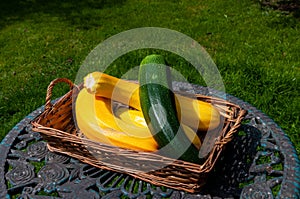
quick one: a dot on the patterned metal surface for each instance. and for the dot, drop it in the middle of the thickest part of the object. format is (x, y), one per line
(261, 162)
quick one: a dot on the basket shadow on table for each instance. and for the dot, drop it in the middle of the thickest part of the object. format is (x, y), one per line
(231, 171)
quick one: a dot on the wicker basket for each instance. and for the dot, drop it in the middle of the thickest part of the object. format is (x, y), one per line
(57, 126)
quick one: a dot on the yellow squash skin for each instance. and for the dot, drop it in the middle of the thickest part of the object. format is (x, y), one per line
(106, 119)
(135, 117)
(107, 86)
(95, 128)
(194, 113)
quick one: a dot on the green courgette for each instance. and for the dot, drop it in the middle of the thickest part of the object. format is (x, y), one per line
(159, 110)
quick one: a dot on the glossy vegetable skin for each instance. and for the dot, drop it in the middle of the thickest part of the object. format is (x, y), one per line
(159, 109)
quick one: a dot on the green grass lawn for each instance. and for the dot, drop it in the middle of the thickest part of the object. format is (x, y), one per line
(256, 49)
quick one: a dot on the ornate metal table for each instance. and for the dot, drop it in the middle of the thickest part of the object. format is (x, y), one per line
(260, 162)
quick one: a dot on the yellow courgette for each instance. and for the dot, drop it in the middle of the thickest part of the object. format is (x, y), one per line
(192, 112)
(87, 117)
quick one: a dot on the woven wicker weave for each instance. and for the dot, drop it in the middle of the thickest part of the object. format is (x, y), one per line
(57, 126)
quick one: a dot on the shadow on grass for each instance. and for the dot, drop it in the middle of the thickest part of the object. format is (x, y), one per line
(74, 11)
(290, 6)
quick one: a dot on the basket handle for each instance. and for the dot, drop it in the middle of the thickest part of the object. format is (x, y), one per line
(50, 89)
